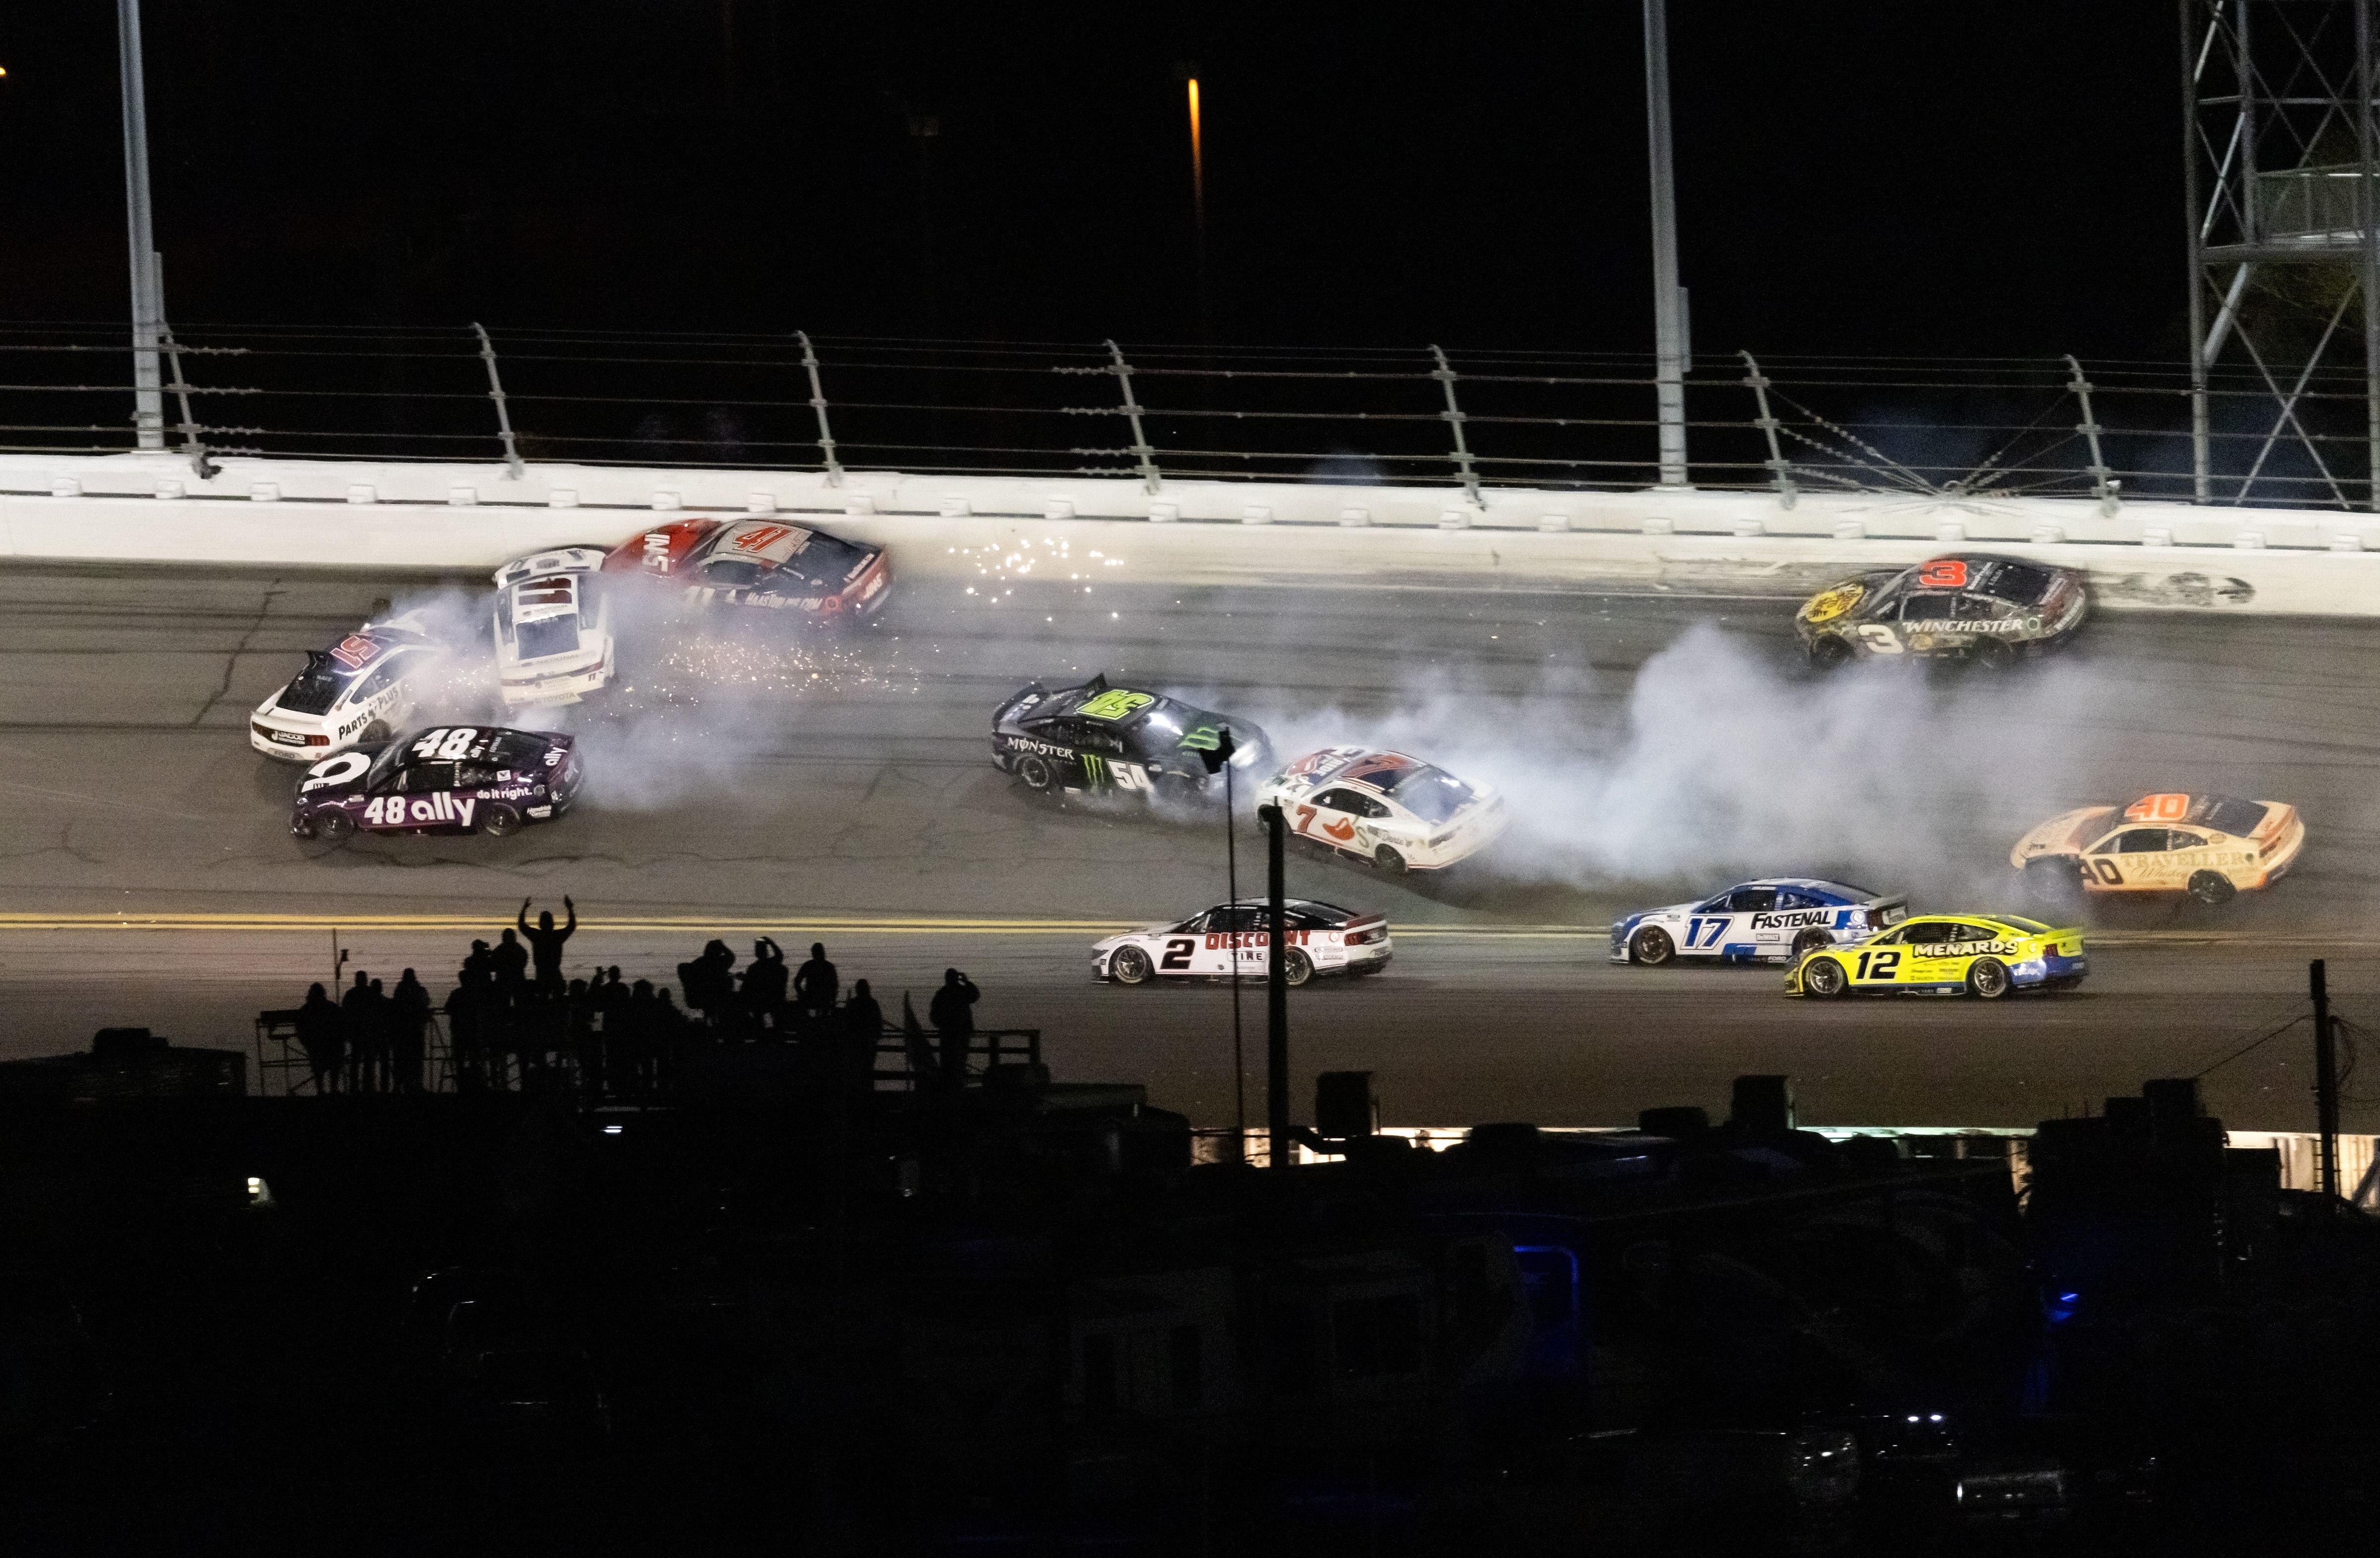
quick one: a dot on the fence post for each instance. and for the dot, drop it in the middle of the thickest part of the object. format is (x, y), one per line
(1141, 452)
(818, 404)
(1783, 474)
(1454, 419)
(2103, 484)
(496, 394)
(201, 465)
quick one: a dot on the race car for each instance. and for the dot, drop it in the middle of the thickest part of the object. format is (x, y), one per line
(1317, 939)
(1983, 955)
(765, 564)
(1985, 609)
(2208, 846)
(1775, 919)
(1395, 811)
(358, 690)
(452, 779)
(1099, 737)
(553, 628)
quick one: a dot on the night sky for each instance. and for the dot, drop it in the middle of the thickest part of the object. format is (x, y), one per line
(1981, 179)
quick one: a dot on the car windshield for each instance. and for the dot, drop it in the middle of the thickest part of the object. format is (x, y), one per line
(826, 561)
(513, 749)
(384, 765)
(317, 687)
(555, 635)
(2226, 815)
(2020, 582)
(1431, 794)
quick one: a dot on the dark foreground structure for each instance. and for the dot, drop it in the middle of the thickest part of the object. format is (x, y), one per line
(1015, 1317)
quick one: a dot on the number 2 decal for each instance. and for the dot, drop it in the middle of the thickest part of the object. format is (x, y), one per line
(1177, 954)
(1877, 965)
(1944, 573)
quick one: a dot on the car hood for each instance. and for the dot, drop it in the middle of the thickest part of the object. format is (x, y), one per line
(2063, 834)
(1111, 943)
(1635, 916)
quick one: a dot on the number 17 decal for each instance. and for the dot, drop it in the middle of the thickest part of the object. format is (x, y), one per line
(1697, 936)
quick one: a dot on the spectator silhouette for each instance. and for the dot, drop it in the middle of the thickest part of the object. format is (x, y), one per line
(952, 1015)
(363, 1020)
(764, 983)
(815, 985)
(322, 1035)
(546, 942)
(708, 989)
(669, 1042)
(863, 1029)
(481, 963)
(408, 1018)
(510, 958)
(377, 1049)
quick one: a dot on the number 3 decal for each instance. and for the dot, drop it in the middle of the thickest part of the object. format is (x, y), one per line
(1881, 639)
(1944, 573)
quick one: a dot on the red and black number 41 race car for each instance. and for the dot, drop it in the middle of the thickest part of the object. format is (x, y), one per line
(454, 778)
(771, 564)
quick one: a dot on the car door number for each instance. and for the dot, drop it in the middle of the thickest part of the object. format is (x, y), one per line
(1878, 965)
(1703, 935)
(2107, 872)
(1177, 954)
(1881, 639)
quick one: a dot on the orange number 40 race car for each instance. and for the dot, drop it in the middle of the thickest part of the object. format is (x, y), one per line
(2208, 846)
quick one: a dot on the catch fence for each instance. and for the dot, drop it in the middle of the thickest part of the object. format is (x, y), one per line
(1464, 419)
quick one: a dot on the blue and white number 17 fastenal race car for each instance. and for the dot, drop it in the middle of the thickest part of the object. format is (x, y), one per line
(1776, 919)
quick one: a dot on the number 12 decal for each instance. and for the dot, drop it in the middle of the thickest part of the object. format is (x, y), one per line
(1878, 965)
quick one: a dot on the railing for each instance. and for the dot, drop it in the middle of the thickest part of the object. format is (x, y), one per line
(1461, 419)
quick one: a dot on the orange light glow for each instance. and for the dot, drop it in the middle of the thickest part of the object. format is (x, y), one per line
(1197, 160)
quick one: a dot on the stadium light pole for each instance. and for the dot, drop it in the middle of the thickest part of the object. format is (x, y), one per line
(1668, 299)
(148, 308)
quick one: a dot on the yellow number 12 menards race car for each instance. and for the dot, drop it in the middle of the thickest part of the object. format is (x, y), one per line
(1985, 955)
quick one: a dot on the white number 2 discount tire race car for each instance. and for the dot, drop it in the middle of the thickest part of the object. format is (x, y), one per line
(1317, 939)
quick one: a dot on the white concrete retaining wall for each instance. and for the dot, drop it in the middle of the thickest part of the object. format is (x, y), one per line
(338, 513)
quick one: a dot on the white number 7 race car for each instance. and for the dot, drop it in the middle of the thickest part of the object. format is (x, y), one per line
(1318, 938)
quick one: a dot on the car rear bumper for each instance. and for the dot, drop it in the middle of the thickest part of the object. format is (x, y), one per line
(290, 745)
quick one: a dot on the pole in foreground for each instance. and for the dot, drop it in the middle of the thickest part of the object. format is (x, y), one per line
(1276, 1143)
(2325, 1079)
(1668, 299)
(1219, 757)
(148, 382)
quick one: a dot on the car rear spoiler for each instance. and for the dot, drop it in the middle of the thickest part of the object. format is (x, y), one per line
(1887, 911)
(1030, 694)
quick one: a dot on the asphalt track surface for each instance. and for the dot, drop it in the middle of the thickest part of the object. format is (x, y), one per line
(812, 787)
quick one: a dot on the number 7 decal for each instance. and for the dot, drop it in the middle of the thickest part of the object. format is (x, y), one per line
(1304, 816)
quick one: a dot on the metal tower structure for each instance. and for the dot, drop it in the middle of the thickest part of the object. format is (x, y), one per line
(2280, 161)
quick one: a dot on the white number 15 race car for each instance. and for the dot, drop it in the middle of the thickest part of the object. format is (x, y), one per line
(1317, 939)
(1773, 919)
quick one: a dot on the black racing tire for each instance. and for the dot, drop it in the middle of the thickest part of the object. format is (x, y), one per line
(1388, 861)
(1810, 941)
(2054, 880)
(1034, 772)
(1174, 789)
(1651, 947)
(1830, 651)
(1993, 655)
(2213, 888)
(1296, 968)
(1825, 978)
(1130, 965)
(500, 821)
(1988, 979)
(333, 826)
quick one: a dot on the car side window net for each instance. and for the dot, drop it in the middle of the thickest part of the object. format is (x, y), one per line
(1752, 900)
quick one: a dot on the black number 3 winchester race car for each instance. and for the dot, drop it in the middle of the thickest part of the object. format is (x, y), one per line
(1989, 610)
(455, 779)
(1098, 738)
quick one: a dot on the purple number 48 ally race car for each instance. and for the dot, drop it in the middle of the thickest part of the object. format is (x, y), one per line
(453, 778)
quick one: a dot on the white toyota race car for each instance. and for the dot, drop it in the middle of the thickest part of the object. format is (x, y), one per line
(1317, 939)
(360, 689)
(1397, 812)
(554, 627)
(1776, 919)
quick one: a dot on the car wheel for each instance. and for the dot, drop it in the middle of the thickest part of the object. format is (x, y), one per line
(1993, 655)
(1388, 861)
(334, 825)
(1810, 941)
(1036, 773)
(1651, 947)
(1296, 968)
(1831, 652)
(1987, 979)
(2056, 880)
(1825, 978)
(500, 821)
(375, 731)
(1129, 966)
(2212, 888)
